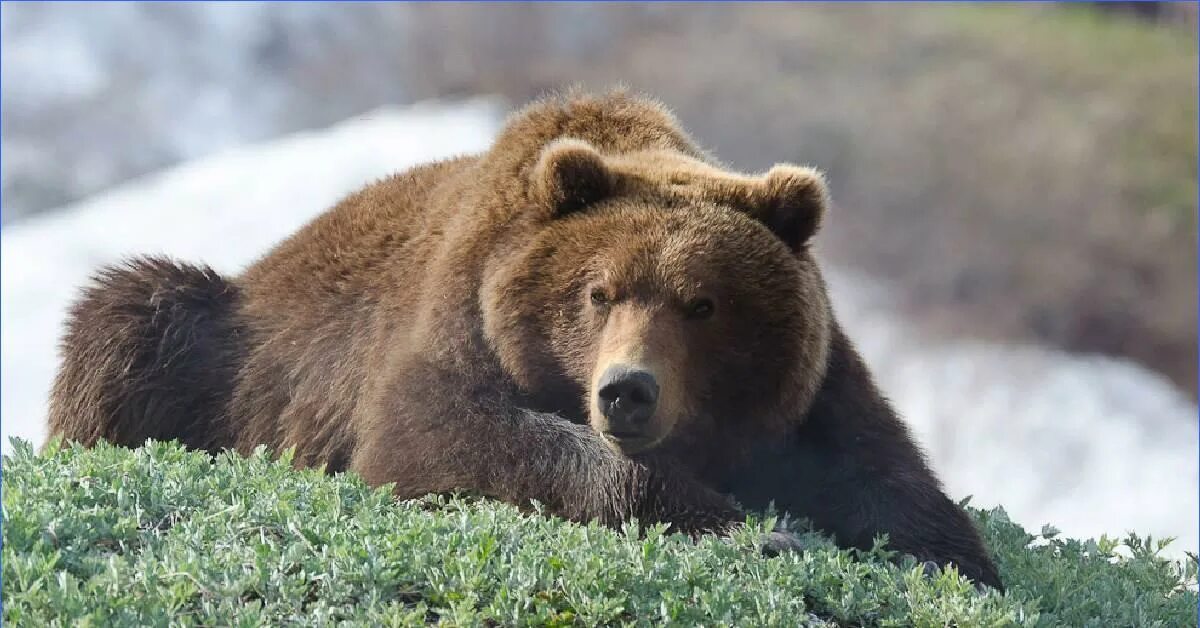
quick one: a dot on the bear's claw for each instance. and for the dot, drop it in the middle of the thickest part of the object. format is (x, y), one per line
(776, 542)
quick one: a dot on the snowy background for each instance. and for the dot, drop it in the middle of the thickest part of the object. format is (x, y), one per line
(216, 132)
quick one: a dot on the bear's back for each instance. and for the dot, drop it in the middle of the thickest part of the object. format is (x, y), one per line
(340, 254)
(311, 310)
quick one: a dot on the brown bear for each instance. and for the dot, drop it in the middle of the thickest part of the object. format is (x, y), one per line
(592, 314)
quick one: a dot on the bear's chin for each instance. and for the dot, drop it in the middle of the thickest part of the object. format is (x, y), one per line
(631, 444)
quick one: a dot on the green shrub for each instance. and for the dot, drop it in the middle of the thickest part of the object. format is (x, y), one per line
(158, 535)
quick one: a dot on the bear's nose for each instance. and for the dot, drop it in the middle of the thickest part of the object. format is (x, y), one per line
(627, 397)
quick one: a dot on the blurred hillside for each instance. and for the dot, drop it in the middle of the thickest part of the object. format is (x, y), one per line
(1024, 173)
(1019, 173)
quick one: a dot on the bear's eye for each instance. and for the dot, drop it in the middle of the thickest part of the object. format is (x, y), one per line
(700, 309)
(599, 298)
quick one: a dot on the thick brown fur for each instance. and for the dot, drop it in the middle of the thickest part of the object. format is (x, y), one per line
(449, 328)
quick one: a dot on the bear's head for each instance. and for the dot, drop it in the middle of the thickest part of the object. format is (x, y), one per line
(662, 299)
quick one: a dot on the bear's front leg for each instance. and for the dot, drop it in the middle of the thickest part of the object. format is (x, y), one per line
(847, 493)
(434, 431)
(852, 468)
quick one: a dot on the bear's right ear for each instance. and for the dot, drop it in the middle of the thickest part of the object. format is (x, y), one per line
(570, 174)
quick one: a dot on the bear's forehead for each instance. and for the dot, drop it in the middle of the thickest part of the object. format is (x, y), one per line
(686, 247)
(671, 228)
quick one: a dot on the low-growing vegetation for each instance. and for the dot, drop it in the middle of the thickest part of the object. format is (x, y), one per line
(160, 535)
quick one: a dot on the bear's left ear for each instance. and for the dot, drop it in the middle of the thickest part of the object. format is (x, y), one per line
(570, 174)
(792, 204)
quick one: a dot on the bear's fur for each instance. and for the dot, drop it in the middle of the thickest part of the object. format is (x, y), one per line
(592, 314)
